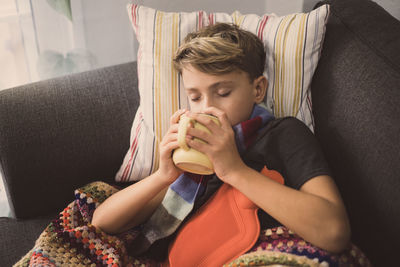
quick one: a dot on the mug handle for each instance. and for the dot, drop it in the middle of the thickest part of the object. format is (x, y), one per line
(182, 130)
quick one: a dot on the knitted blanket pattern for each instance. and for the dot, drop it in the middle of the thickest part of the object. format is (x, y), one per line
(71, 240)
(279, 245)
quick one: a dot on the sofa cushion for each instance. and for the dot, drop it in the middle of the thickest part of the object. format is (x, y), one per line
(356, 104)
(292, 44)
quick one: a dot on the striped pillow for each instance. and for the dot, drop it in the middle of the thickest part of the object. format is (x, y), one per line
(293, 45)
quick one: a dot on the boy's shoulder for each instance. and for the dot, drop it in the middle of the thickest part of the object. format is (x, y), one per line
(287, 124)
(287, 131)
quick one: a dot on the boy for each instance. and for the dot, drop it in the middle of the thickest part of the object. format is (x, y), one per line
(222, 70)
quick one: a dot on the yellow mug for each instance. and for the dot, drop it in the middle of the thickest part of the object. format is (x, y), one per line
(187, 158)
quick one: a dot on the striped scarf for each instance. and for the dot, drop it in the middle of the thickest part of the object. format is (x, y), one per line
(181, 195)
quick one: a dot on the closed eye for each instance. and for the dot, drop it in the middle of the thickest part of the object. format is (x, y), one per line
(225, 94)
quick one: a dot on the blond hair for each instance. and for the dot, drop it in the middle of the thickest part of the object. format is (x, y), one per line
(220, 49)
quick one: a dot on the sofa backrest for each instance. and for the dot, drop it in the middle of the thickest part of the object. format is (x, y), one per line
(60, 134)
(356, 104)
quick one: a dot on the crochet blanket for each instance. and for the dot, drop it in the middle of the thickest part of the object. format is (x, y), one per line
(70, 240)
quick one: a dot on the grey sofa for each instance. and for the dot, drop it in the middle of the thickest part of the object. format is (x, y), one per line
(59, 134)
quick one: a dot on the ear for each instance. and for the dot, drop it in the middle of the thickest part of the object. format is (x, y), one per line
(260, 86)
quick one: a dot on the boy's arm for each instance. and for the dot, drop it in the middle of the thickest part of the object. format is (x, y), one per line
(135, 204)
(315, 212)
(131, 206)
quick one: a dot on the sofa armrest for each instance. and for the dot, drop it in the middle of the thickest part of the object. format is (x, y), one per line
(356, 96)
(59, 134)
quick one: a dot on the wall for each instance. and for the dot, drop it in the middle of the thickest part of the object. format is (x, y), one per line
(103, 28)
(109, 21)
(391, 6)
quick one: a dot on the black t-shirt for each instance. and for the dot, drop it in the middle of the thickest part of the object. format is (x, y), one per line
(285, 145)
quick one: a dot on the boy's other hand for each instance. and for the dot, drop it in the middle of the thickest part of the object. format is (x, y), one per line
(169, 142)
(220, 145)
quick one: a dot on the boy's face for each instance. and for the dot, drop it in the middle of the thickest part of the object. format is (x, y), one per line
(232, 93)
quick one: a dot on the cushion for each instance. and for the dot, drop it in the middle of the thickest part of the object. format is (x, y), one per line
(292, 43)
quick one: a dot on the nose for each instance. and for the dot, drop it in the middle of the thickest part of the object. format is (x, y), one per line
(208, 102)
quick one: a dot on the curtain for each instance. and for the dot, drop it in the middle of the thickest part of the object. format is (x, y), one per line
(42, 39)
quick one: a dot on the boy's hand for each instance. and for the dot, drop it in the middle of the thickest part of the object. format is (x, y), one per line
(220, 147)
(169, 142)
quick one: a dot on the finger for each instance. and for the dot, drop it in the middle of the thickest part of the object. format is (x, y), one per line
(169, 138)
(220, 114)
(169, 147)
(204, 120)
(199, 146)
(173, 128)
(213, 111)
(200, 134)
(175, 117)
